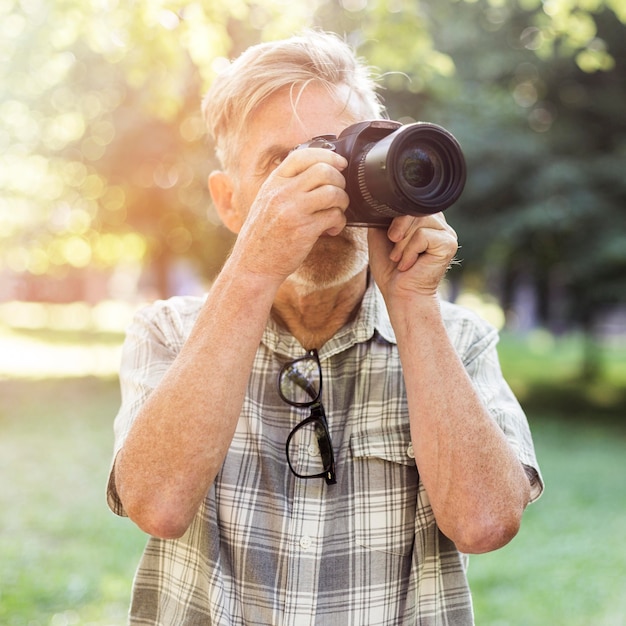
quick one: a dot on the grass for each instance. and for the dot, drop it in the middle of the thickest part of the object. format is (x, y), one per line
(546, 374)
(567, 566)
(66, 560)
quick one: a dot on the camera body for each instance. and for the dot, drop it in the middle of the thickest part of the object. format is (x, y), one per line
(395, 169)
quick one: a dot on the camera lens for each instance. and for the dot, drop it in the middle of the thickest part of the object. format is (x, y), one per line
(417, 167)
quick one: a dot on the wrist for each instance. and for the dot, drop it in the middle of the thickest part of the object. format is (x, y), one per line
(249, 279)
(415, 313)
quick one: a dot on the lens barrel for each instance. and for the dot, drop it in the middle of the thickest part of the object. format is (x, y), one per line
(418, 169)
(394, 169)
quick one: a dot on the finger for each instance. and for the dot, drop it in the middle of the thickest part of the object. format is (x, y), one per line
(406, 252)
(438, 244)
(323, 209)
(335, 221)
(324, 197)
(400, 227)
(299, 161)
(402, 230)
(320, 174)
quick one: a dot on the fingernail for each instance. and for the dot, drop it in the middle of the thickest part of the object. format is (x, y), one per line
(394, 234)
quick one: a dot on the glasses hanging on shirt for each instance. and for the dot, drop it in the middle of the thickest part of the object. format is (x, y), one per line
(309, 448)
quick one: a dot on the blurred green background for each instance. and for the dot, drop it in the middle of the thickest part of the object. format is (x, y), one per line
(103, 206)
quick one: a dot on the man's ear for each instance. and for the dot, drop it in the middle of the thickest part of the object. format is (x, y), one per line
(221, 188)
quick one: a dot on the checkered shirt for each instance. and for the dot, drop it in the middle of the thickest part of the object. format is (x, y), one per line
(268, 548)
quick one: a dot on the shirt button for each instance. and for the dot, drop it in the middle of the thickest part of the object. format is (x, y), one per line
(409, 451)
(305, 542)
(313, 450)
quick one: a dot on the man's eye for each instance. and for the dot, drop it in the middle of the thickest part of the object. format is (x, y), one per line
(277, 159)
(271, 162)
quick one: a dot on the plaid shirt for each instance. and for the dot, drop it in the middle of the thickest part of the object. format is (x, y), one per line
(268, 548)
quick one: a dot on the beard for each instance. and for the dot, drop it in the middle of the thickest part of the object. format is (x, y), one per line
(332, 262)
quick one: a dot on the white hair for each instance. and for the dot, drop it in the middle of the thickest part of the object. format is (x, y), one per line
(264, 69)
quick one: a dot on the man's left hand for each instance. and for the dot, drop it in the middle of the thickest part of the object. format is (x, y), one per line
(413, 255)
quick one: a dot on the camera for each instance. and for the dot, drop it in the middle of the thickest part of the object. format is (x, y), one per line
(395, 169)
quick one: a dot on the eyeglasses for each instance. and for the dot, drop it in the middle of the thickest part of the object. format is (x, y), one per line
(300, 385)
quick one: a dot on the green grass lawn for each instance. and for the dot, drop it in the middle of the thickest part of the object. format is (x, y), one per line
(567, 566)
(66, 560)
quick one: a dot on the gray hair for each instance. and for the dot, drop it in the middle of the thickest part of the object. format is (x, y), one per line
(264, 69)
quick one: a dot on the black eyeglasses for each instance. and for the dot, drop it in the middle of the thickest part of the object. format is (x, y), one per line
(300, 385)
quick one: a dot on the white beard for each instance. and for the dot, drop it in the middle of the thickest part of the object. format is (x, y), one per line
(332, 263)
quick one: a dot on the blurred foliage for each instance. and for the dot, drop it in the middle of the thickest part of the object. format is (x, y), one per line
(103, 159)
(546, 142)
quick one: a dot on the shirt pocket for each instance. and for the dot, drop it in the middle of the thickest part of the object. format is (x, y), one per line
(385, 489)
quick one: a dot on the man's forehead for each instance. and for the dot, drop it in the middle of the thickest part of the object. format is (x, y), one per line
(301, 109)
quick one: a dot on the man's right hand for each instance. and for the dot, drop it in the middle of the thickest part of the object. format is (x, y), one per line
(300, 200)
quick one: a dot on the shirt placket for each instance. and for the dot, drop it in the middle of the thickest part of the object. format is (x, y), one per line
(305, 533)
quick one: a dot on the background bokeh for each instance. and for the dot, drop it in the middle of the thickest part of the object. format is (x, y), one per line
(103, 207)
(104, 159)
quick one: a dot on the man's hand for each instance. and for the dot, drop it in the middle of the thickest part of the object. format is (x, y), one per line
(412, 257)
(476, 485)
(301, 200)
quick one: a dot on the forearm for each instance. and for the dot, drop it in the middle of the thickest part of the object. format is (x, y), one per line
(181, 435)
(477, 487)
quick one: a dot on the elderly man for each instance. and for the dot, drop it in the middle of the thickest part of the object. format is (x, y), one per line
(320, 440)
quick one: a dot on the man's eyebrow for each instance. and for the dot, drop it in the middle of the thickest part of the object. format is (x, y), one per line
(274, 149)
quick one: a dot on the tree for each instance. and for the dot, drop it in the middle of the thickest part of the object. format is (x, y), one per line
(535, 92)
(104, 160)
(545, 201)
(552, 190)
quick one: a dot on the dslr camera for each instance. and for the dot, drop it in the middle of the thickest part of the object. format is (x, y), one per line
(395, 169)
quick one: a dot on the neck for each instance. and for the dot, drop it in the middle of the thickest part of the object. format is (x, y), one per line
(314, 317)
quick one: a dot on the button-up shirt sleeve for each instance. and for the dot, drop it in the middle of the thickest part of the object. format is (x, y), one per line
(152, 341)
(476, 342)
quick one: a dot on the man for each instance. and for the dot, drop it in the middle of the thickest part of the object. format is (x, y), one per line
(406, 448)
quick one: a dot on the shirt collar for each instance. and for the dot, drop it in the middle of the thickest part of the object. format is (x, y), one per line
(371, 322)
